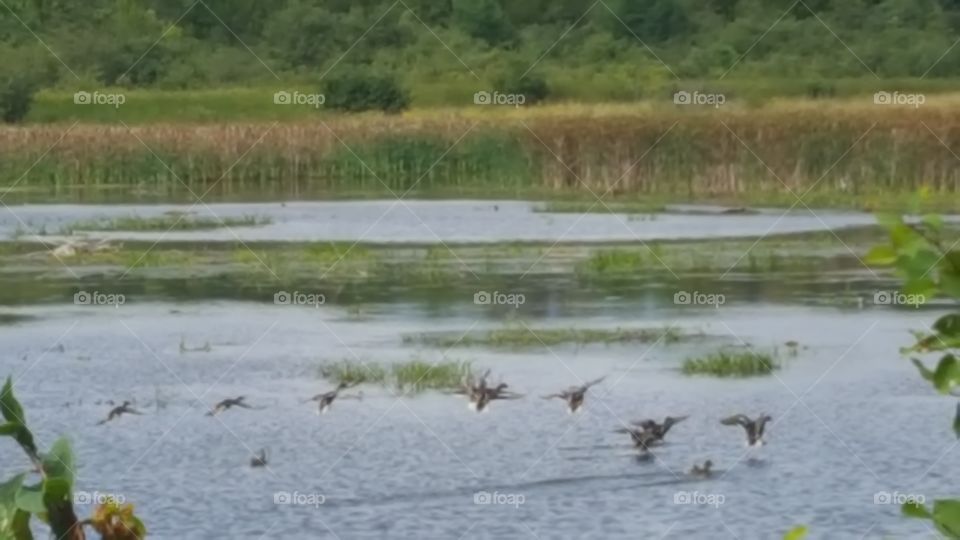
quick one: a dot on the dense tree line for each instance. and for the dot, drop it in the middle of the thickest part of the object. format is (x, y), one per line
(205, 43)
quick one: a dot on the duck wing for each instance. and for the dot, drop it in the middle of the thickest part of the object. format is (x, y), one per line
(737, 420)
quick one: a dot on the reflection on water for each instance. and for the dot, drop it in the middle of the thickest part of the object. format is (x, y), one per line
(412, 467)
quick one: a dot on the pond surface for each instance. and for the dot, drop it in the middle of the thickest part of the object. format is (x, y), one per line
(418, 221)
(853, 421)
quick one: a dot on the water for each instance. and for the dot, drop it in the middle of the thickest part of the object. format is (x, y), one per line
(427, 222)
(851, 420)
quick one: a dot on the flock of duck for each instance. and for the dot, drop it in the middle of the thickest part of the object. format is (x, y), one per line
(645, 434)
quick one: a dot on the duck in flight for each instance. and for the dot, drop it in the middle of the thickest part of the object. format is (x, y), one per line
(703, 471)
(117, 412)
(480, 395)
(659, 431)
(325, 400)
(575, 395)
(239, 401)
(259, 460)
(642, 438)
(754, 428)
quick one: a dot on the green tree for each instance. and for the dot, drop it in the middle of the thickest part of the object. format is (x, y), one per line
(356, 90)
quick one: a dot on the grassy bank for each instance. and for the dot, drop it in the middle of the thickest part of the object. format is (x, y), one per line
(874, 156)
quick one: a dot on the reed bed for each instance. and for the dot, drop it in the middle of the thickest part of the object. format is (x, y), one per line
(854, 152)
(731, 364)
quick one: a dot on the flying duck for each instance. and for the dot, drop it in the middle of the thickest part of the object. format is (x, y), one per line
(228, 403)
(659, 431)
(642, 438)
(702, 471)
(754, 428)
(259, 460)
(118, 411)
(325, 400)
(574, 395)
(480, 395)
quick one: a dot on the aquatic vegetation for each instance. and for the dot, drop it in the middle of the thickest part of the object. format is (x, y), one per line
(51, 499)
(731, 364)
(619, 263)
(174, 222)
(412, 376)
(521, 337)
(925, 255)
(13, 318)
(687, 155)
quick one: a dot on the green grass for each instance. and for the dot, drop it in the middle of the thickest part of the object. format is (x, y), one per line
(174, 222)
(522, 337)
(731, 364)
(410, 377)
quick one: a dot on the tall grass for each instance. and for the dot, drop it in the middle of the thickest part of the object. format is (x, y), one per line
(871, 153)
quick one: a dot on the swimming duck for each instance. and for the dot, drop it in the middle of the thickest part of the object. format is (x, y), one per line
(702, 471)
(228, 403)
(325, 400)
(575, 394)
(754, 428)
(659, 431)
(116, 412)
(259, 460)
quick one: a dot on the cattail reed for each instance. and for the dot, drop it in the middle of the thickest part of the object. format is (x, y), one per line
(856, 151)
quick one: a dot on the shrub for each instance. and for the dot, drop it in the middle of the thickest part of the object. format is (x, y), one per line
(358, 91)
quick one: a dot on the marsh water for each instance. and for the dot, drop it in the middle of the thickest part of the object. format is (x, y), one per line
(854, 426)
(425, 222)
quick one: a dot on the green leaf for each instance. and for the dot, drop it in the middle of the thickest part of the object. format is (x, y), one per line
(956, 421)
(947, 374)
(915, 510)
(20, 433)
(924, 372)
(946, 516)
(56, 490)
(796, 533)
(30, 499)
(58, 463)
(933, 222)
(948, 325)
(881, 256)
(9, 406)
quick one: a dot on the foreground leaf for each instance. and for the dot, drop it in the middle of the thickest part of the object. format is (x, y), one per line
(796, 533)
